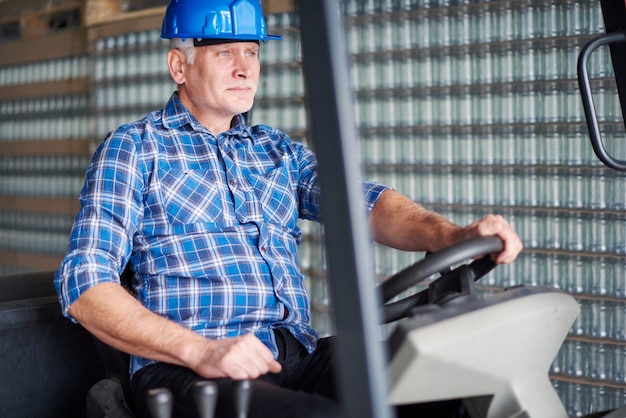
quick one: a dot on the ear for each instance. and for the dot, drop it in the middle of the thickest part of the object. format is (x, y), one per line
(176, 61)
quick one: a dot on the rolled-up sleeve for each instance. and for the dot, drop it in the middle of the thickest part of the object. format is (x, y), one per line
(110, 208)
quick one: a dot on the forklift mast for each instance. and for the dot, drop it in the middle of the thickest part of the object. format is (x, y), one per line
(362, 356)
(362, 374)
(614, 14)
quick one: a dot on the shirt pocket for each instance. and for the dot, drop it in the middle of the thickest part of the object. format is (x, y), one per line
(190, 196)
(277, 196)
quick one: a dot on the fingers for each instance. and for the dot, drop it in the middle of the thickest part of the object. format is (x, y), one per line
(498, 226)
(275, 367)
(248, 358)
(244, 357)
(255, 358)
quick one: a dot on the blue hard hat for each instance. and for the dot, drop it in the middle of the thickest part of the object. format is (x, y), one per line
(238, 20)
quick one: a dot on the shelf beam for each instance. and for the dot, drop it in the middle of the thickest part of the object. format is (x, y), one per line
(31, 261)
(49, 205)
(77, 146)
(46, 88)
(67, 43)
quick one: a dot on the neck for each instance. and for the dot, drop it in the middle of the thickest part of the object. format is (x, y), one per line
(215, 122)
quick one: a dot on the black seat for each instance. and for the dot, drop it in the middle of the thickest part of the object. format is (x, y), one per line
(103, 399)
(117, 362)
(48, 363)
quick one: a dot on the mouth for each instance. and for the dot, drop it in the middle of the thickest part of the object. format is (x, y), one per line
(240, 89)
(241, 93)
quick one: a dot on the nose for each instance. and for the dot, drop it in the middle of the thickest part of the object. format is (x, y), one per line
(244, 66)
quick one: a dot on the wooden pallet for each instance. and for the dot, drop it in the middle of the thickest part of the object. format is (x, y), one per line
(29, 19)
(278, 6)
(98, 12)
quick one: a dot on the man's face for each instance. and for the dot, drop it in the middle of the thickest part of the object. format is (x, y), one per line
(223, 79)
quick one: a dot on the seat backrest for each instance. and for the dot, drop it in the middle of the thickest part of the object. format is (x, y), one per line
(26, 286)
(48, 363)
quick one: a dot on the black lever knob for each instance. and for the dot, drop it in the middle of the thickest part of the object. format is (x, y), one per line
(205, 393)
(243, 391)
(160, 402)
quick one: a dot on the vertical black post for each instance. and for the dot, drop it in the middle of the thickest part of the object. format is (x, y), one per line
(362, 376)
(614, 14)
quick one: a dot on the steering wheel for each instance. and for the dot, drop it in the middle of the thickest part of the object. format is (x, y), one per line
(440, 261)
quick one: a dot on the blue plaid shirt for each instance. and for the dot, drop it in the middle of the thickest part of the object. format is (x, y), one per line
(209, 225)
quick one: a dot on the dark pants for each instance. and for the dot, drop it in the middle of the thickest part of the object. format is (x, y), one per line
(305, 388)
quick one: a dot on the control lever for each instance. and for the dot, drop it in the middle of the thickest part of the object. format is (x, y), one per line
(205, 393)
(160, 402)
(243, 391)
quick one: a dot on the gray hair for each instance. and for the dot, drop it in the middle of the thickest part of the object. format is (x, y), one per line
(186, 47)
(190, 53)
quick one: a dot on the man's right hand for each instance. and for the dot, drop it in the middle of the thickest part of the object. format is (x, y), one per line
(244, 357)
(109, 312)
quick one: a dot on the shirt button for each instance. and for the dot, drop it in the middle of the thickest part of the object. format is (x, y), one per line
(232, 183)
(263, 249)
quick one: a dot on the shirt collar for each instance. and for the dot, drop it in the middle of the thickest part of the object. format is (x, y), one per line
(176, 115)
(240, 128)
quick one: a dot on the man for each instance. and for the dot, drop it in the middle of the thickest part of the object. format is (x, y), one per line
(204, 209)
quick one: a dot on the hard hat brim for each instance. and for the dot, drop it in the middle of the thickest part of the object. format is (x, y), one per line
(180, 42)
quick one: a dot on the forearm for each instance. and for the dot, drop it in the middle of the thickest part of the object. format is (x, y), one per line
(398, 222)
(115, 317)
